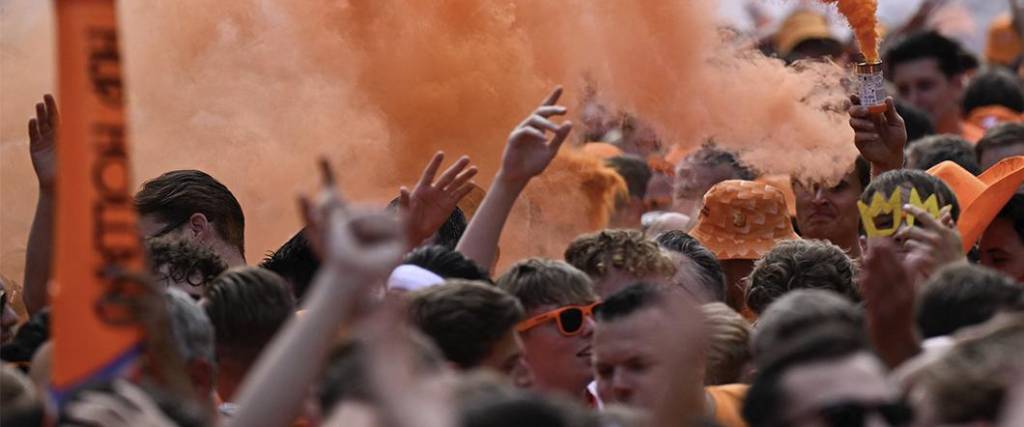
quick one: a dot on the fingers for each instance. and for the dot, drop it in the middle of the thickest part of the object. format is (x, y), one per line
(431, 170)
(855, 100)
(462, 179)
(528, 131)
(462, 192)
(540, 123)
(924, 219)
(891, 115)
(113, 409)
(404, 199)
(560, 135)
(861, 138)
(92, 414)
(947, 220)
(553, 97)
(863, 125)
(452, 172)
(306, 211)
(135, 396)
(51, 108)
(329, 198)
(44, 119)
(33, 130)
(550, 110)
(326, 172)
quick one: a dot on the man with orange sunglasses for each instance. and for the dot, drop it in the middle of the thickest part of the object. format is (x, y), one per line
(558, 300)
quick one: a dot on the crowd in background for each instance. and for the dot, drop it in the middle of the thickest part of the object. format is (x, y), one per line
(717, 295)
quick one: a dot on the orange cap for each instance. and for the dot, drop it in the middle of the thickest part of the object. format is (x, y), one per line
(1003, 45)
(802, 25)
(980, 197)
(743, 220)
(981, 119)
(785, 185)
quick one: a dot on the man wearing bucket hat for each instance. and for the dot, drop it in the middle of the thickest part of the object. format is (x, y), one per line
(1002, 244)
(739, 223)
(981, 197)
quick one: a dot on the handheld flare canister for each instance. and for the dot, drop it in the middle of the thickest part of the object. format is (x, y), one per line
(872, 86)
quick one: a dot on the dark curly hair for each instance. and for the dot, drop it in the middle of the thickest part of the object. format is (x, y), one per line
(186, 261)
(800, 264)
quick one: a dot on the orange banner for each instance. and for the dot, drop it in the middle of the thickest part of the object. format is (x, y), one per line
(98, 256)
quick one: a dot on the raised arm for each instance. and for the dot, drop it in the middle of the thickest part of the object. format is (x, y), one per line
(42, 135)
(888, 290)
(430, 204)
(528, 152)
(359, 250)
(880, 138)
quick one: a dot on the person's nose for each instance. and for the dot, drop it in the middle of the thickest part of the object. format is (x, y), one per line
(819, 195)
(622, 387)
(915, 96)
(588, 327)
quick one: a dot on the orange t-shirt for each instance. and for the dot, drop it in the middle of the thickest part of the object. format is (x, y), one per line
(728, 400)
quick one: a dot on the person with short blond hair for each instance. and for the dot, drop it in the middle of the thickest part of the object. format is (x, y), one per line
(558, 300)
(729, 344)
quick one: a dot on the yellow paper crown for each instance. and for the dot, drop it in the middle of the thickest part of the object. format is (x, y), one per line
(894, 206)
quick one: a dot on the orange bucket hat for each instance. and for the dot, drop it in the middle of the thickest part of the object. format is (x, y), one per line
(785, 184)
(981, 197)
(743, 220)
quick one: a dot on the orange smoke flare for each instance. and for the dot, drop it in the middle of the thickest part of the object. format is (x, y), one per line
(862, 16)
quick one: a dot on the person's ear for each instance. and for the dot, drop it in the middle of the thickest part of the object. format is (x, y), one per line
(199, 226)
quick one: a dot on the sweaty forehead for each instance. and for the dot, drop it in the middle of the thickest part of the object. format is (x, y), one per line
(917, 69)
(636, 334)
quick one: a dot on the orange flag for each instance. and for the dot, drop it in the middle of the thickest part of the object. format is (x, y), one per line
(98, 255)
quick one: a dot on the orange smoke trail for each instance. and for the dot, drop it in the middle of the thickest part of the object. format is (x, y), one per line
(252, 91)
(862, 16)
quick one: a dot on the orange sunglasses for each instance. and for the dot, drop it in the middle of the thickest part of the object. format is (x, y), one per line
(570, 319)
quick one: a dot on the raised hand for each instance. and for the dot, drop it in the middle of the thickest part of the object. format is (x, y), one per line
(430, 204)
(362, 243)
(888, 290)
(931, 243)
(408, 396)
(42, 136)
(130, 407)
(880, 138)
(530, 149)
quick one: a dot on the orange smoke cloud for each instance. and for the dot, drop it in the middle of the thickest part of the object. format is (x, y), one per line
(252, 91)
(863, 18)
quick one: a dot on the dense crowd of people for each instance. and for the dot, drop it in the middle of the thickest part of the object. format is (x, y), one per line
(892, 295)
